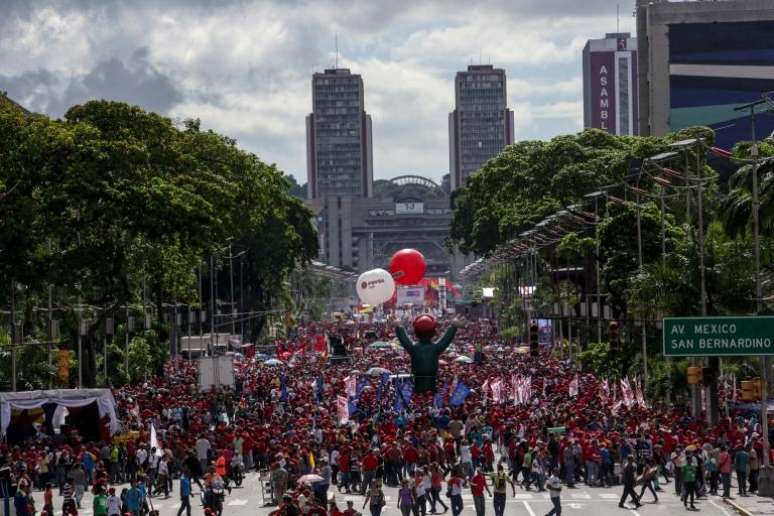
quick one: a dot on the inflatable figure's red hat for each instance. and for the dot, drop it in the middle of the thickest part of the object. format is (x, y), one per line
(424, 326)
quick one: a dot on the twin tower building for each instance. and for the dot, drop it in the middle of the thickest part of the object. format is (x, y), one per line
(340, 140)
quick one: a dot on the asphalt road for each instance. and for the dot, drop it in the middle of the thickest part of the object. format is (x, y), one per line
(247, 501)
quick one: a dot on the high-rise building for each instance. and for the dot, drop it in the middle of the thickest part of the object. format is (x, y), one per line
(610, 84)
(481, 124)
(700, 60)
(339, 153)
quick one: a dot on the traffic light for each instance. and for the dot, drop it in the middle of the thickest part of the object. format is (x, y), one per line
(534, 344)
(614, 337)
(751, 389)
(694, 375)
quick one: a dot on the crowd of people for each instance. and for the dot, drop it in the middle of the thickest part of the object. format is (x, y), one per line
(286, 421)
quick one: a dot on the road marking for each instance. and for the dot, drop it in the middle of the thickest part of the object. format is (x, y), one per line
(635, 512)
(238, 501)
(523, 496)
(529, 508)
(608, 496)
(720, 507)
(581, 496)
(575, 505)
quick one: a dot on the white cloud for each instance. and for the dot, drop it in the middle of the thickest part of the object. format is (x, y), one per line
(244, 68)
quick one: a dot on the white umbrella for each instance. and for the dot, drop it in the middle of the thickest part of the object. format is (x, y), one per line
(463, 360)
(274, 362)
(378, 371)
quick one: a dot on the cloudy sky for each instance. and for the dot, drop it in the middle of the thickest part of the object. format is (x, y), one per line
(244, 67)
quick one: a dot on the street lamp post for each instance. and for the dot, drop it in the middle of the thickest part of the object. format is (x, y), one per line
(766, 476)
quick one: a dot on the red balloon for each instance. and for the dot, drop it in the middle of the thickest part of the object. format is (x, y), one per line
(407, 266)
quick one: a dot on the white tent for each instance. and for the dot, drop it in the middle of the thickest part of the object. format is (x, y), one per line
(106, 404)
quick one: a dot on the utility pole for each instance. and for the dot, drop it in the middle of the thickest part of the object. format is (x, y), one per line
(50, 332)
(766, 476)
(643, 334)
(231, 280)
(13, 336)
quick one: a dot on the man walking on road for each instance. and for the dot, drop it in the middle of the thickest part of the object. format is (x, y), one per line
(477, 486)
(185, 494)
(629, 474)
(500, 481)
(554, 486)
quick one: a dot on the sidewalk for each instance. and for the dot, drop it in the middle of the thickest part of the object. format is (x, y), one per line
(751, 504)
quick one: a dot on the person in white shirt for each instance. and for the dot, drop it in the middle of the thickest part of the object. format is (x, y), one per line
(202, 449)
(554, 486)
(114, 503)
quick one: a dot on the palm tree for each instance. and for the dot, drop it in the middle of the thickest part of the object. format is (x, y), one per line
(736, 208)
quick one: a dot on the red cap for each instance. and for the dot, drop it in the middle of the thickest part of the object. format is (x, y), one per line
(425, 324)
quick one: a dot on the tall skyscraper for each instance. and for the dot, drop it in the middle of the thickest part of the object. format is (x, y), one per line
(700, 60)
(610, 84)
(481, 124)
(339, 153)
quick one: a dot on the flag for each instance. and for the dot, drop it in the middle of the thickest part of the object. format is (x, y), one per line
(733, 392)
(605, 390)
(384, 383)
(485, 391)
(573, 387)
(321, 345)
(342, 409)
(438, 399)
(154, 441)
(497, 390)
(320, 387)
(639, 395)
(626, 393)
(459, 394)
(283, 388)
(350, 386)
(403, 393)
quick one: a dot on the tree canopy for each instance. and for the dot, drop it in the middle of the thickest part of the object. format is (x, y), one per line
(113, 201)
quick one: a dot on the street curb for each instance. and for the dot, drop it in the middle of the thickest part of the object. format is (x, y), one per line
(741, 510)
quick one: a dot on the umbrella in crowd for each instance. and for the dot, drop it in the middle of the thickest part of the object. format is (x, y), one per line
(463, 360)
(310, 479)
(273, 362)
(380, 344)
(378, 371)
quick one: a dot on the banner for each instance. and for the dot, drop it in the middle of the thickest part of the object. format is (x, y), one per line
(350, 386)
(342, 409)
(411, 296)
(626, 393)
(573, 387)
(638, 394)
(459, 395)
(497, 390)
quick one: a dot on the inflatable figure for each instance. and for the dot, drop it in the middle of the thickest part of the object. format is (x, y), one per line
(425, 353)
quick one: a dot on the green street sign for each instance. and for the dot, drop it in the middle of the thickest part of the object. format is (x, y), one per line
(718, 336)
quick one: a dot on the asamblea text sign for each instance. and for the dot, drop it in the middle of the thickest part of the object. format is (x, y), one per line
(718, 336)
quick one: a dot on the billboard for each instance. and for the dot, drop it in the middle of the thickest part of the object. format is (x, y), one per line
(411, 296)
(715, 67)
(409, 208)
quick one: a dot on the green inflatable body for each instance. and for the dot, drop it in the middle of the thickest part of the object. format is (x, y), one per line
(424, 356)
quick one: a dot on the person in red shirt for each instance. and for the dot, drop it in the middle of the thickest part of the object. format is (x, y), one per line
(369, 465)
(477, 487)
(350, 510)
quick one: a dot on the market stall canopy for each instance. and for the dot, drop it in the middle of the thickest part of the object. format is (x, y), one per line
(63, 398)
